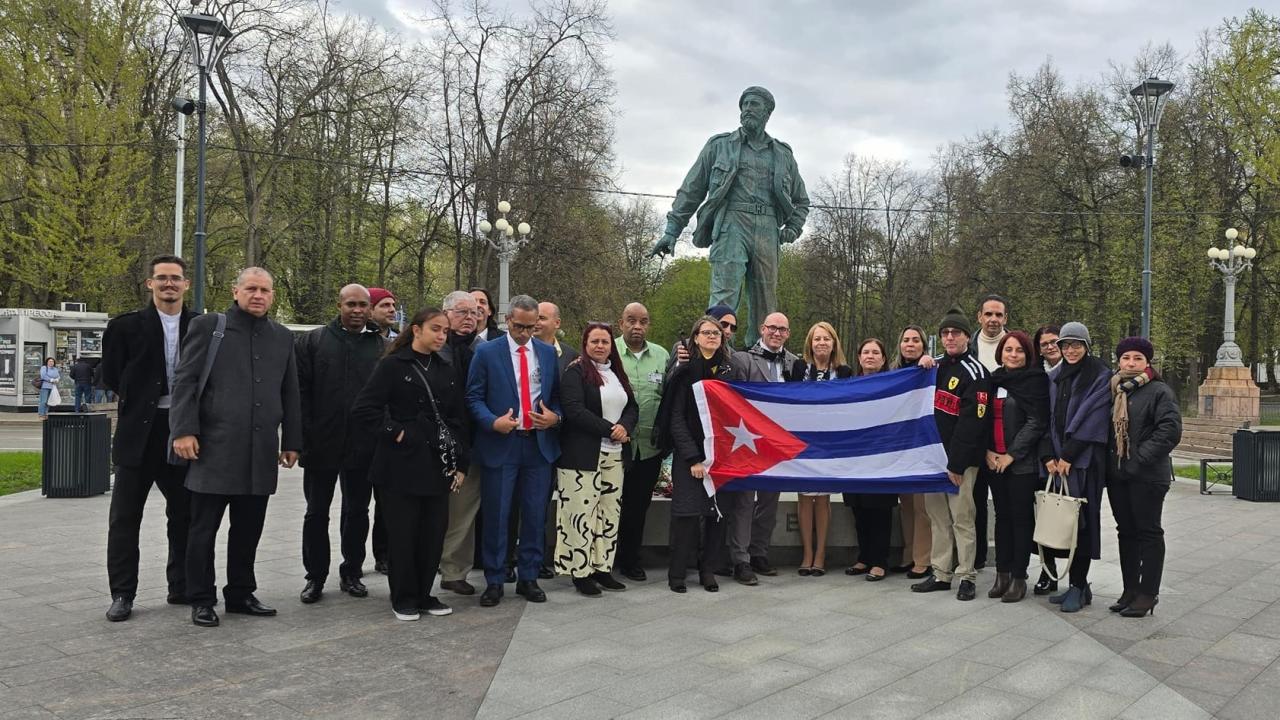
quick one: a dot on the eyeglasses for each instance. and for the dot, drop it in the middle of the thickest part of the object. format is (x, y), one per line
(779, 329)
(710, 333)
(174, 279)
(731, 327)
(521, 327)
(949, 332)
(465, 313)
(1049, 344)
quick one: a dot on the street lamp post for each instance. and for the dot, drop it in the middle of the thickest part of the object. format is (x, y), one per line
(505, 242)
(1148, 96)
(208, 37)
(1231, 261)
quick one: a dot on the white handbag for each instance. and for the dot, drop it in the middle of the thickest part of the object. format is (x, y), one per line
(1057, 521)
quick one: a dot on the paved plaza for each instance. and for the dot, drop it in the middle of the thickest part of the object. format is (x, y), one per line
(793, 647)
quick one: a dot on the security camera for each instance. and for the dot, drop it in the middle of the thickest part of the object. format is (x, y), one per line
(1133, 161)
(186, 106)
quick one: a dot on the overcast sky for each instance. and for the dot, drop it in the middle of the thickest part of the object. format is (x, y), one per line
(893, 79)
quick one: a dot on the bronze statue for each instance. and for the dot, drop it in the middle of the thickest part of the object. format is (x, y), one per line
(755, 201)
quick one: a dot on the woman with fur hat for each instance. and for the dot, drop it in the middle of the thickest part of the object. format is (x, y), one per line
(1146, 427)
(1076, 448)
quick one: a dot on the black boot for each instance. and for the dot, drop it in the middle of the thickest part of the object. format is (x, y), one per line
(1046, 584)
(1003, 579)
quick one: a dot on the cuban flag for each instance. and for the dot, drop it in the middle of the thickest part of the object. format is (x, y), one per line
(872, 434)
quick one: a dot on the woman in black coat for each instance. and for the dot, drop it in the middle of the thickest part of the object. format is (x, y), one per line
(872, 512)
(696, 529)
(822, 359)
(1146, 427)
(414, 402)
(1016, 424)
(600, 413)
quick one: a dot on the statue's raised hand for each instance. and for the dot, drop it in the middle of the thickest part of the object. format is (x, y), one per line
(667, 245)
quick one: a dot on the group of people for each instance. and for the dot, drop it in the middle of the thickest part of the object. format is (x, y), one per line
(461, 435)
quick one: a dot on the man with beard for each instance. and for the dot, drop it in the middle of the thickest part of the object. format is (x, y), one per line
(755, 201)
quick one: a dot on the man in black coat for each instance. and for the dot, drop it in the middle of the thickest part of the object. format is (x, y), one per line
(334, 363)
(139, 359)
(82, 376)
(234, 428)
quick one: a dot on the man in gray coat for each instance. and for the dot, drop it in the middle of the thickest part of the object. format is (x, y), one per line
(246, 418)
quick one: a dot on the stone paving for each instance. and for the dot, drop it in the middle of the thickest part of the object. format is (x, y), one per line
(792, 647)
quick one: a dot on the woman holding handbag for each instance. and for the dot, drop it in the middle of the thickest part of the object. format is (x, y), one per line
(1147, 426)
(414, 403)
(1075, 448)
(1017, 422)
(600, 413)
(49, 377)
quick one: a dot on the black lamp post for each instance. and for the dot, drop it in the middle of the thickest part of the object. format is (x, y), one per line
(207, 37)
(1148, 96)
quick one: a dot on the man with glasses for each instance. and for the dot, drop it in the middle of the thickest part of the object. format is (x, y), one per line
(334, 363)
(959, 406)
(139, 357)
(752, 515)
(513, 393)
(459, 546)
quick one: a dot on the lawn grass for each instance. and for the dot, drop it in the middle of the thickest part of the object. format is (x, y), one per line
(19, 471)
(1192, 472)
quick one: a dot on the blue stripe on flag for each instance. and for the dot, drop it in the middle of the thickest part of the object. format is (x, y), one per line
(889, 485)
(905, 435)
(860, 389)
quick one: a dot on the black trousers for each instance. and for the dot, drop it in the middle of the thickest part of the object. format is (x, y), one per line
(873, 526)
(248, 513)
(353, 524)
(415, 538)
(129, 497)
(637, 494)
(694, 537)
(1137, 507)
(1014, 496)
(981, 489)
(379, 534)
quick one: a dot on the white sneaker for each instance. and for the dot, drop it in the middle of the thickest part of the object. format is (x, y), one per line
(436, 608)
(406, 616)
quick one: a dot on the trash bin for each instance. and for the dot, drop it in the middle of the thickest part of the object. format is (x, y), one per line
(1255, 464)
(76, 459)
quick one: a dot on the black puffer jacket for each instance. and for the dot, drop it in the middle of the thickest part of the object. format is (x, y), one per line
(333, 365)
(1155, 429)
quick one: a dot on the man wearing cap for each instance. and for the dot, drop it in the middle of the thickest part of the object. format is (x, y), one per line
(959, 408)
(755, 201)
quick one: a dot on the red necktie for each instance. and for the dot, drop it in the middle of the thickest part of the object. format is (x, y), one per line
(526, 403)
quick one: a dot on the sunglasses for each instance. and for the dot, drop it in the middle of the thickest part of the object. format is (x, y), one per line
(731, 327)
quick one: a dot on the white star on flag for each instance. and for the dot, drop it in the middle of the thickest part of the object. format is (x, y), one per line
(742, 437)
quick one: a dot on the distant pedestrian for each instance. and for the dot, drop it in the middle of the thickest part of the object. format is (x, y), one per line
(82, 375)
(49, 377)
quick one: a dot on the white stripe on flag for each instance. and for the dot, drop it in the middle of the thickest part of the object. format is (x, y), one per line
(926, 460)
(708, 441)
(847, 416)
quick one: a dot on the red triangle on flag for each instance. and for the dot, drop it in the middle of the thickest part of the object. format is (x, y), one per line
(744, 440)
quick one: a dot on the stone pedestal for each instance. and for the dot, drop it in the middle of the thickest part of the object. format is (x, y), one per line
(1229, 392)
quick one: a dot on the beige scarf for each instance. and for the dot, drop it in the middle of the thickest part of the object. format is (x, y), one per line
(1124, 382)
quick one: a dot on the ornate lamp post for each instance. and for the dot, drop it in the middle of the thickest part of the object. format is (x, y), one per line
(501, 235)
(207, 39)
(1229, 390)
(1149, 98)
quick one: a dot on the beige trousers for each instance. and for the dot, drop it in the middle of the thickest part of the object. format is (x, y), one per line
(460, 539)
(951, 523)
(916, 533)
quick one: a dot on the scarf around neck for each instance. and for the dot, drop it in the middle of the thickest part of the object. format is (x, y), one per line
(1123, 383)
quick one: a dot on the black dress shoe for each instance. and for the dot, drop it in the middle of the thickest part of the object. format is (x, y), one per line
(491, 596)
(606, 582)
(312, 592)
(511, 575)
(121, 608)
(1045, 584)
(250, 606)
(176, 598)
(677, 586)
(586, 586)
(204, 616)
(458, 587)
(546, 573)
(380, 566)
(353, 587)
(930, 584)
(967, 591)
(634, 574)
(529, 590)
(761, 565)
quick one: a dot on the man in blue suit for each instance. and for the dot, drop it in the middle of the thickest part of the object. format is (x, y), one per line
(513, 393)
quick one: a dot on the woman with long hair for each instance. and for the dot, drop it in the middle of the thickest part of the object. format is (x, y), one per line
(872, 512)
(49, 377)
(1146, 427)
(414, 404)
(1075, 448)
(696, 530)
(600, 413)
(917, 539)
(1016, 425)
(822, 359)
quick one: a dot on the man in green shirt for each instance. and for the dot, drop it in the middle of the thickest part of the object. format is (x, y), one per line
(644, 363)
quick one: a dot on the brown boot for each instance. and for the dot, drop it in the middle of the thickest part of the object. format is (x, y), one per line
(1017, 590)
(1001, 586)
